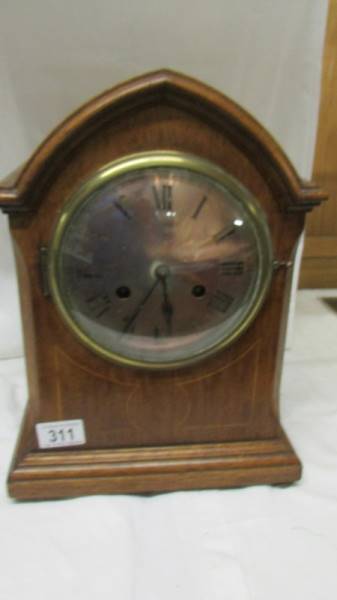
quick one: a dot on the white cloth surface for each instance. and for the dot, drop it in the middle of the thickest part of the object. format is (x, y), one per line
(265, 54)
(253, 543)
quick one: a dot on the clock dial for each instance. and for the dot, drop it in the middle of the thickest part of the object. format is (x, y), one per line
(159, 260)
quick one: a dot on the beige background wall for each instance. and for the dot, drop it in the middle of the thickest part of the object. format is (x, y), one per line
(265, 54)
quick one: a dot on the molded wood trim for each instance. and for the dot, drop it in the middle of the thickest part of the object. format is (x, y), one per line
(176, 89)
(144, 470)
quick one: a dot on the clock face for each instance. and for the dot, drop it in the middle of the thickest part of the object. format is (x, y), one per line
(159, 260)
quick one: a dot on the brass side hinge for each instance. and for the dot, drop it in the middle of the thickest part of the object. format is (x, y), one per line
(282, 264)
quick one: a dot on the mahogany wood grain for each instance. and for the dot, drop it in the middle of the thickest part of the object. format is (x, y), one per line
(214, 424)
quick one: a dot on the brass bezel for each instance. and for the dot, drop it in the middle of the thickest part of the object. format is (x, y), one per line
(146, 160)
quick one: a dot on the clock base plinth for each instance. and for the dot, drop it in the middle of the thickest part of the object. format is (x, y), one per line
(71, 473)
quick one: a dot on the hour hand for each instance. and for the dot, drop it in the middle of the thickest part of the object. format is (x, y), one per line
(162, 273)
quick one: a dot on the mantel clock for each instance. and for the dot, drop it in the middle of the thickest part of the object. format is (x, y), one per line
(154, 233)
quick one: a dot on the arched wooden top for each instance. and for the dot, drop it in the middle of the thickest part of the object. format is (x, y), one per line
(17, 192)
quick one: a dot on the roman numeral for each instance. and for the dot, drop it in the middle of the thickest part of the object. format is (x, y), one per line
(103, 311)
(163, 198)
(220, 301)
(232, 267)
(223, 234)
(85, 275)
(199, 207)
(100, 303)
(122, 209)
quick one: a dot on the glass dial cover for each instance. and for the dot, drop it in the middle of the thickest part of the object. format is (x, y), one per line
(159, 260)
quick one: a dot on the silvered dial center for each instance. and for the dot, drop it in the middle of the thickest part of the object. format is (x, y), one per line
(162, 271)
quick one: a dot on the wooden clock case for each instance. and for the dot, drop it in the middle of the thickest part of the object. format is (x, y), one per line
(214, 424)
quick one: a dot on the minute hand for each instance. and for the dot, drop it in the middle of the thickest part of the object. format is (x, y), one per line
(139, 307)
